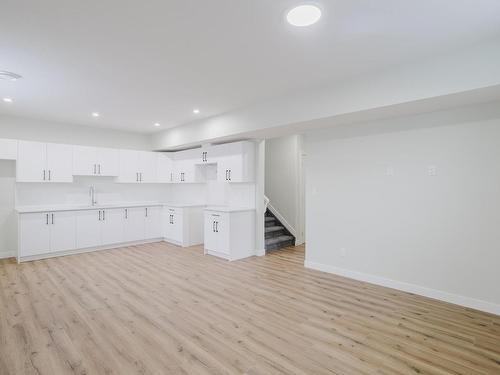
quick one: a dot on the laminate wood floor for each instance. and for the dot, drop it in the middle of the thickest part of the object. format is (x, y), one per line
(161, 309)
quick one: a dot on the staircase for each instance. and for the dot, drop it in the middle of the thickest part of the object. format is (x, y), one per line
(277, 236)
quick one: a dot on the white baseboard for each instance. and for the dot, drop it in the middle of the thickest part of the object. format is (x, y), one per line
(260, 253)
(86, 250)
(481, 305)
(283, 221)
(8, 254)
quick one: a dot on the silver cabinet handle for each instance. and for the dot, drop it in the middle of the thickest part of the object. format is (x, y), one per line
(95, 169)
(46, 219)
(52, 219)
(44, 174)
(126, 213)
(103, 215)
(49, 174)
(99, 215)
(99, 168)
(217, 226)
(229, 174)
(146, 212)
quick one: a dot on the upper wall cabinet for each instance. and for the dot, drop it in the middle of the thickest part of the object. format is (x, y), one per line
(165, 168)
(44, 162)
(236, 162)
(186, 168)
(95, 161)
(8, 149)
(138, 166)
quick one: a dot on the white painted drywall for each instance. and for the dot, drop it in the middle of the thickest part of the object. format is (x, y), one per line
(282, 179)
(373, 196)
(38, 130)
(433, 82)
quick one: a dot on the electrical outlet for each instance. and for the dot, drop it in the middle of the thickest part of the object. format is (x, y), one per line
(343, 252)
(432, 169)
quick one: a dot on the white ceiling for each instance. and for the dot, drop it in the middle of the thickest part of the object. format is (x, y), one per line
(141, 62)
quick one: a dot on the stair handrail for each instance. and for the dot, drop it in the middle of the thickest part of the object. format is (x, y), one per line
(266, 203)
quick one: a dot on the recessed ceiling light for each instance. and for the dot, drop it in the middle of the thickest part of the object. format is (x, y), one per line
(95, 114)
(304, 15)
(196, 111)
(157, 124)
(9, 76)
(7, 100)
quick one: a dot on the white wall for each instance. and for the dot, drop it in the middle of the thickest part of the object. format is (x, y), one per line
(43, 131)
(282, 185)
(433, 235)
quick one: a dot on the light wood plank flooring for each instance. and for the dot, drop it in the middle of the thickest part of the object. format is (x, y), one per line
(161, 309)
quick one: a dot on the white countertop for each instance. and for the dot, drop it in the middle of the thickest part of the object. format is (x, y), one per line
(83, 207)
(228, 208)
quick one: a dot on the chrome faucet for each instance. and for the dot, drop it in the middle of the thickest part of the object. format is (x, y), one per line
(92, 195)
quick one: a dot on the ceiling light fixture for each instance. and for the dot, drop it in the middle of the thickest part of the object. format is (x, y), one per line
(196, 111)
(9, 76)
(7, 100)
(303, 15)
(157, 124)
(95, 114)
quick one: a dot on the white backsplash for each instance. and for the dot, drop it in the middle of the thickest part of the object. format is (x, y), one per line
(107, 191)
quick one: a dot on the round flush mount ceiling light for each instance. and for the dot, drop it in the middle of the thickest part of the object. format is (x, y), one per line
(7, 100)
(9, 76)
(157, 124)
(95, 114)
(303, 15)
(196, 111)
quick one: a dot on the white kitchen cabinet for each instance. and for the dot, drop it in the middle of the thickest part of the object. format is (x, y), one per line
(88, 229)
(44, 162)
(62, 231)
(165, 168)
(8, 149)
(153, 223)
(230, 235)
(134, 229)
(183, 226)
(236, 162)
(137, 166)
(186, 169)
(147, 165)
(95, 161)
(112, 226)
(99, 227)
(47, 232)
(34, 234)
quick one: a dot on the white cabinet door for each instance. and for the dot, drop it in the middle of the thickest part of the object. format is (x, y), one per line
(108, 162)
(165, 168)
(62, 231)
(174, 225)
(210, 232)
(222, 231)
(8, 149)
(31, 163)
(59, 162)
(153, 222)
(129, 166)
(134, 224)
(84, 161)
(88, 229)
(34, 234)
(147, 163)
(112, 223)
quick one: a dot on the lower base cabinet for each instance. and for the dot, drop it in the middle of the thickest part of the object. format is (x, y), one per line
(230, 235)
(47, 233)
(183, 226)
